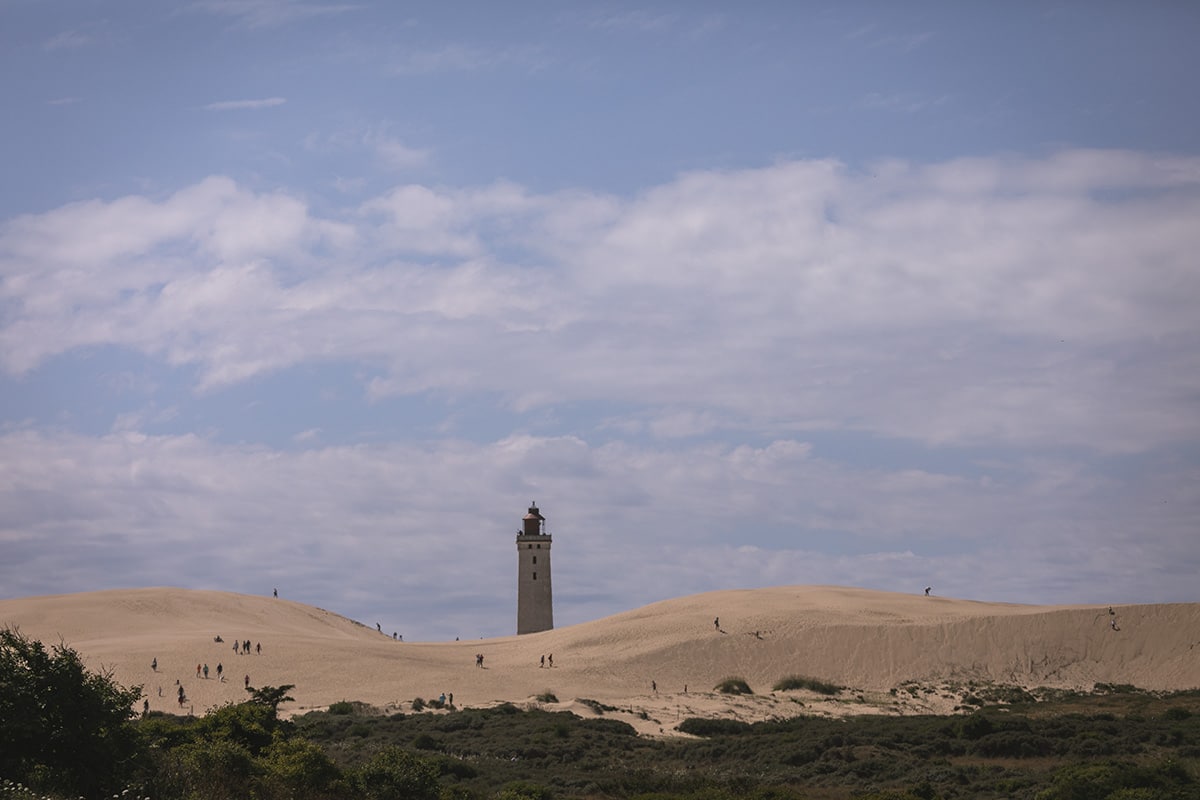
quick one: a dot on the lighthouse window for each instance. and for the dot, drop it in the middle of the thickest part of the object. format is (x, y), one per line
(528, 547)
(539, 547)
(535, 576)
(535, 559)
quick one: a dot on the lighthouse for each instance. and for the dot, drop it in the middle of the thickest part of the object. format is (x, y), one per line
(535, 600)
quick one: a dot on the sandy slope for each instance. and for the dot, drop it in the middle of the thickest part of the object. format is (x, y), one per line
(872, 641)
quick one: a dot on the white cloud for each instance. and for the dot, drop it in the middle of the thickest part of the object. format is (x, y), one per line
(241, 105)
(983, 301)
(457, 57)
(396, 154)
(67, 40)
(271, 13)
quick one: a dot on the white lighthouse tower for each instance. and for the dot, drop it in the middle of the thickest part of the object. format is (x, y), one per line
(535, 600)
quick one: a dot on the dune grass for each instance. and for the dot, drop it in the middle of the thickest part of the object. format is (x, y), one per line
(733, 685)
(794, 682)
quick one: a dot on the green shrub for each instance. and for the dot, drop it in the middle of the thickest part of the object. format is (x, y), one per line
(1177, 713)
(62, 727)
(424, 741)
(215, 767)
(524, 791)
(596, 706)
(418, 704)
(696, 726)
(547, 696)
(794, 682)
(1012, 744)
(342, 707)
(733, 685)
(394, 774)
(296, 768)
(976, 726)
(251, 725)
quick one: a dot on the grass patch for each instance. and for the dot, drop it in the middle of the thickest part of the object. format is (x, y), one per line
(794, 682)
(547, 696)
(733, 685)
(596, 706)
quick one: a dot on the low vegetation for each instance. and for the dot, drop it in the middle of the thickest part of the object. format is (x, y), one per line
(796, 682)
(1102, 745)
(733, 685)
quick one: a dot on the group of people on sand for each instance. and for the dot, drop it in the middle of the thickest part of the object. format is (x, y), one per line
(243, 648)
(548, 659)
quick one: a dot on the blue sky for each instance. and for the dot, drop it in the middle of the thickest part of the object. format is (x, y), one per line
(319, 295)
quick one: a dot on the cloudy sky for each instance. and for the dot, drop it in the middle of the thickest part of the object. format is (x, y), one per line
(320, 295)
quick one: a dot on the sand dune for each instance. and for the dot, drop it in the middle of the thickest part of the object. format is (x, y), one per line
(871, 641)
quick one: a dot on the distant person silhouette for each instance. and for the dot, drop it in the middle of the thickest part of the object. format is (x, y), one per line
(928, 589)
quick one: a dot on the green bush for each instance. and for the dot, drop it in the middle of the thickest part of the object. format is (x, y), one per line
(547, 696)
(394, 774)
(63, 728)
(596, 706)
(424, 741)
(976, 726)
(1165, 781)
(251, 725)
(733, 685)
(295, 769)
(214, 768)
(524, 791)
(696, 726)
(794, 682)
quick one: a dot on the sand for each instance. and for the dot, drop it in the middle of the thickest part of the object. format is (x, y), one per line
(898, 653)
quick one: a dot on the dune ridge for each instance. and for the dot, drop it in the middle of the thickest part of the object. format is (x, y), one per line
(867, 640)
